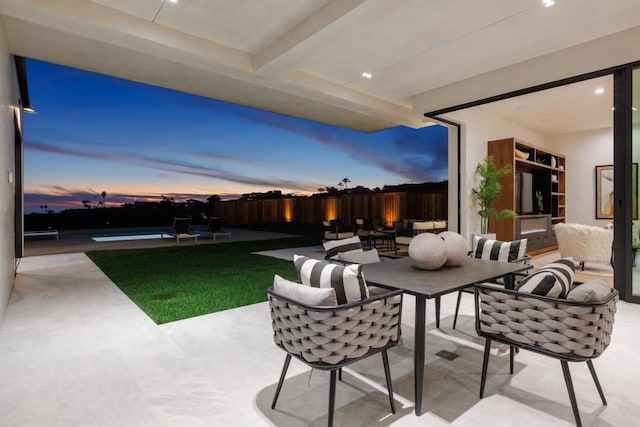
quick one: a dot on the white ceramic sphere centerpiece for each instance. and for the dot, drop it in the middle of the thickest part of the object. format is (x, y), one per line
(456, 248)
(428, 251)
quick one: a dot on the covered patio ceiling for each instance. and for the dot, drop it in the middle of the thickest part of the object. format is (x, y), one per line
(306, 57)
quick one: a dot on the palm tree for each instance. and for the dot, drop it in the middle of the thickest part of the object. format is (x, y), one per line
(104, 196)
(345, 181)
(340, 185)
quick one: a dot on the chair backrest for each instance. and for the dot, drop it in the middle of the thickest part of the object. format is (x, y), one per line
(215, 223)
(589, 334)
(334, 247)
(333, 336)
(584, 242)
(181, 225)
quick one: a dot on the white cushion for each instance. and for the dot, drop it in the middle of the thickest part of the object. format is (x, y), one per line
(439, 224)
(423, 225)
(360, 257)
(304, 294)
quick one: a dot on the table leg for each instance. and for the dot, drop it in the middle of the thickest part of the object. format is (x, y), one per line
(418, 356)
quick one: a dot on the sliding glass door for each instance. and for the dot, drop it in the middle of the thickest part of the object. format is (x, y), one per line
(633, 287)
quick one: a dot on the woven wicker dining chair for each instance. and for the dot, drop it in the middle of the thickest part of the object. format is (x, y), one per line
(331, 337)
(556, 327)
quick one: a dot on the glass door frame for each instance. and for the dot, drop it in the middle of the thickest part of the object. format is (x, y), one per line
(623, 160)
(622, 155)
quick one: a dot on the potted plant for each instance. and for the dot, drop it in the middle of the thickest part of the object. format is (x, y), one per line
(378, 224)
(539, 201)
(488, 190)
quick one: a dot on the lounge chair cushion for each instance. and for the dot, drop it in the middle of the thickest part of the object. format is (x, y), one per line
(304, 294)
(497, 250)
(552, 280)
(591, 291)
(347, 281)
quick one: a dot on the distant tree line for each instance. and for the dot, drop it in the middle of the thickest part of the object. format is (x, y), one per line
(162, 212)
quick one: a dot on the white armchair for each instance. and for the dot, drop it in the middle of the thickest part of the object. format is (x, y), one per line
(584, 243)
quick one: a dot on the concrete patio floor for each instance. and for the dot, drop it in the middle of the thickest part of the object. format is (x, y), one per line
(75, 351)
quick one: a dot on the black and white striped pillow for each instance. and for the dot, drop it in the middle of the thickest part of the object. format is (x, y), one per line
(347, 281)
(497, 250)
(553, 280)
(334, 247)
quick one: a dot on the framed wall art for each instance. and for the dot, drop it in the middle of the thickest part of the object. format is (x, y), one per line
(604, 191)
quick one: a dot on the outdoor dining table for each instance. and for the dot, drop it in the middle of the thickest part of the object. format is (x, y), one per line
(426, 284)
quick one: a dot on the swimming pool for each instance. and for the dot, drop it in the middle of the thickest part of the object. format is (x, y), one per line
(120, 236)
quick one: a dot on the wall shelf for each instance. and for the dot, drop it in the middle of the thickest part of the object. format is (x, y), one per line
(548, 172)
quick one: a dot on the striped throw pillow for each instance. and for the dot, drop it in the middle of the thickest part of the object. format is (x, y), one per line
(347, 281)
(553, 280)
(497, 250)
(334, 247)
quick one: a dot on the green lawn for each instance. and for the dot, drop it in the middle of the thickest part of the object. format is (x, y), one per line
(178, 282)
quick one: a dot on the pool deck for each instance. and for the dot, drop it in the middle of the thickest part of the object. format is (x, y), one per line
(73, 241)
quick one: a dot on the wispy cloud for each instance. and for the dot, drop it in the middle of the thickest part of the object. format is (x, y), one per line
(419, 155)
(171, 163)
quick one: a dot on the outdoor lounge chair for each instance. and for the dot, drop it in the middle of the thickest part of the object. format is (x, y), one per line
(181, 227)
(215, 227)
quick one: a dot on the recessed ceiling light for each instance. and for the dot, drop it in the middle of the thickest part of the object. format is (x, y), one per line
(367, 75)
(173, 1)
(548, 3)
(634, 109)
(599, 91)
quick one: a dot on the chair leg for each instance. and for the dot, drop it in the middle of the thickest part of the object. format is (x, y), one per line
(595, 380)
(572, 394)
(340, 374)
(438, 312)
(511, 353)
(455, 316)
(332, 396)
(485, 365)
(287, 360)
(387, 374)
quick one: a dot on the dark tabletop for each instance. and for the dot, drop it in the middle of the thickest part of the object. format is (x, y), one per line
(401, 274)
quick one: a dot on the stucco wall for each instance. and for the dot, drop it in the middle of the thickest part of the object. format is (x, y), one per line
(478, 127)
(8, 102)
(584, 150)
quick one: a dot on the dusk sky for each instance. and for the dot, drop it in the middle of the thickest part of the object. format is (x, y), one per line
(95, 133)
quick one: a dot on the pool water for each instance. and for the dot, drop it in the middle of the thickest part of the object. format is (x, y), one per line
(135, 235)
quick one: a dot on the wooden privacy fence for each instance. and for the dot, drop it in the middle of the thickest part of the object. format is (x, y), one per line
(348, 207)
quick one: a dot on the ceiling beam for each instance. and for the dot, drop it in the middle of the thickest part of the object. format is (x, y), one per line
(599, 54)
(276, 59)
(94, 21)
(359, 101)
